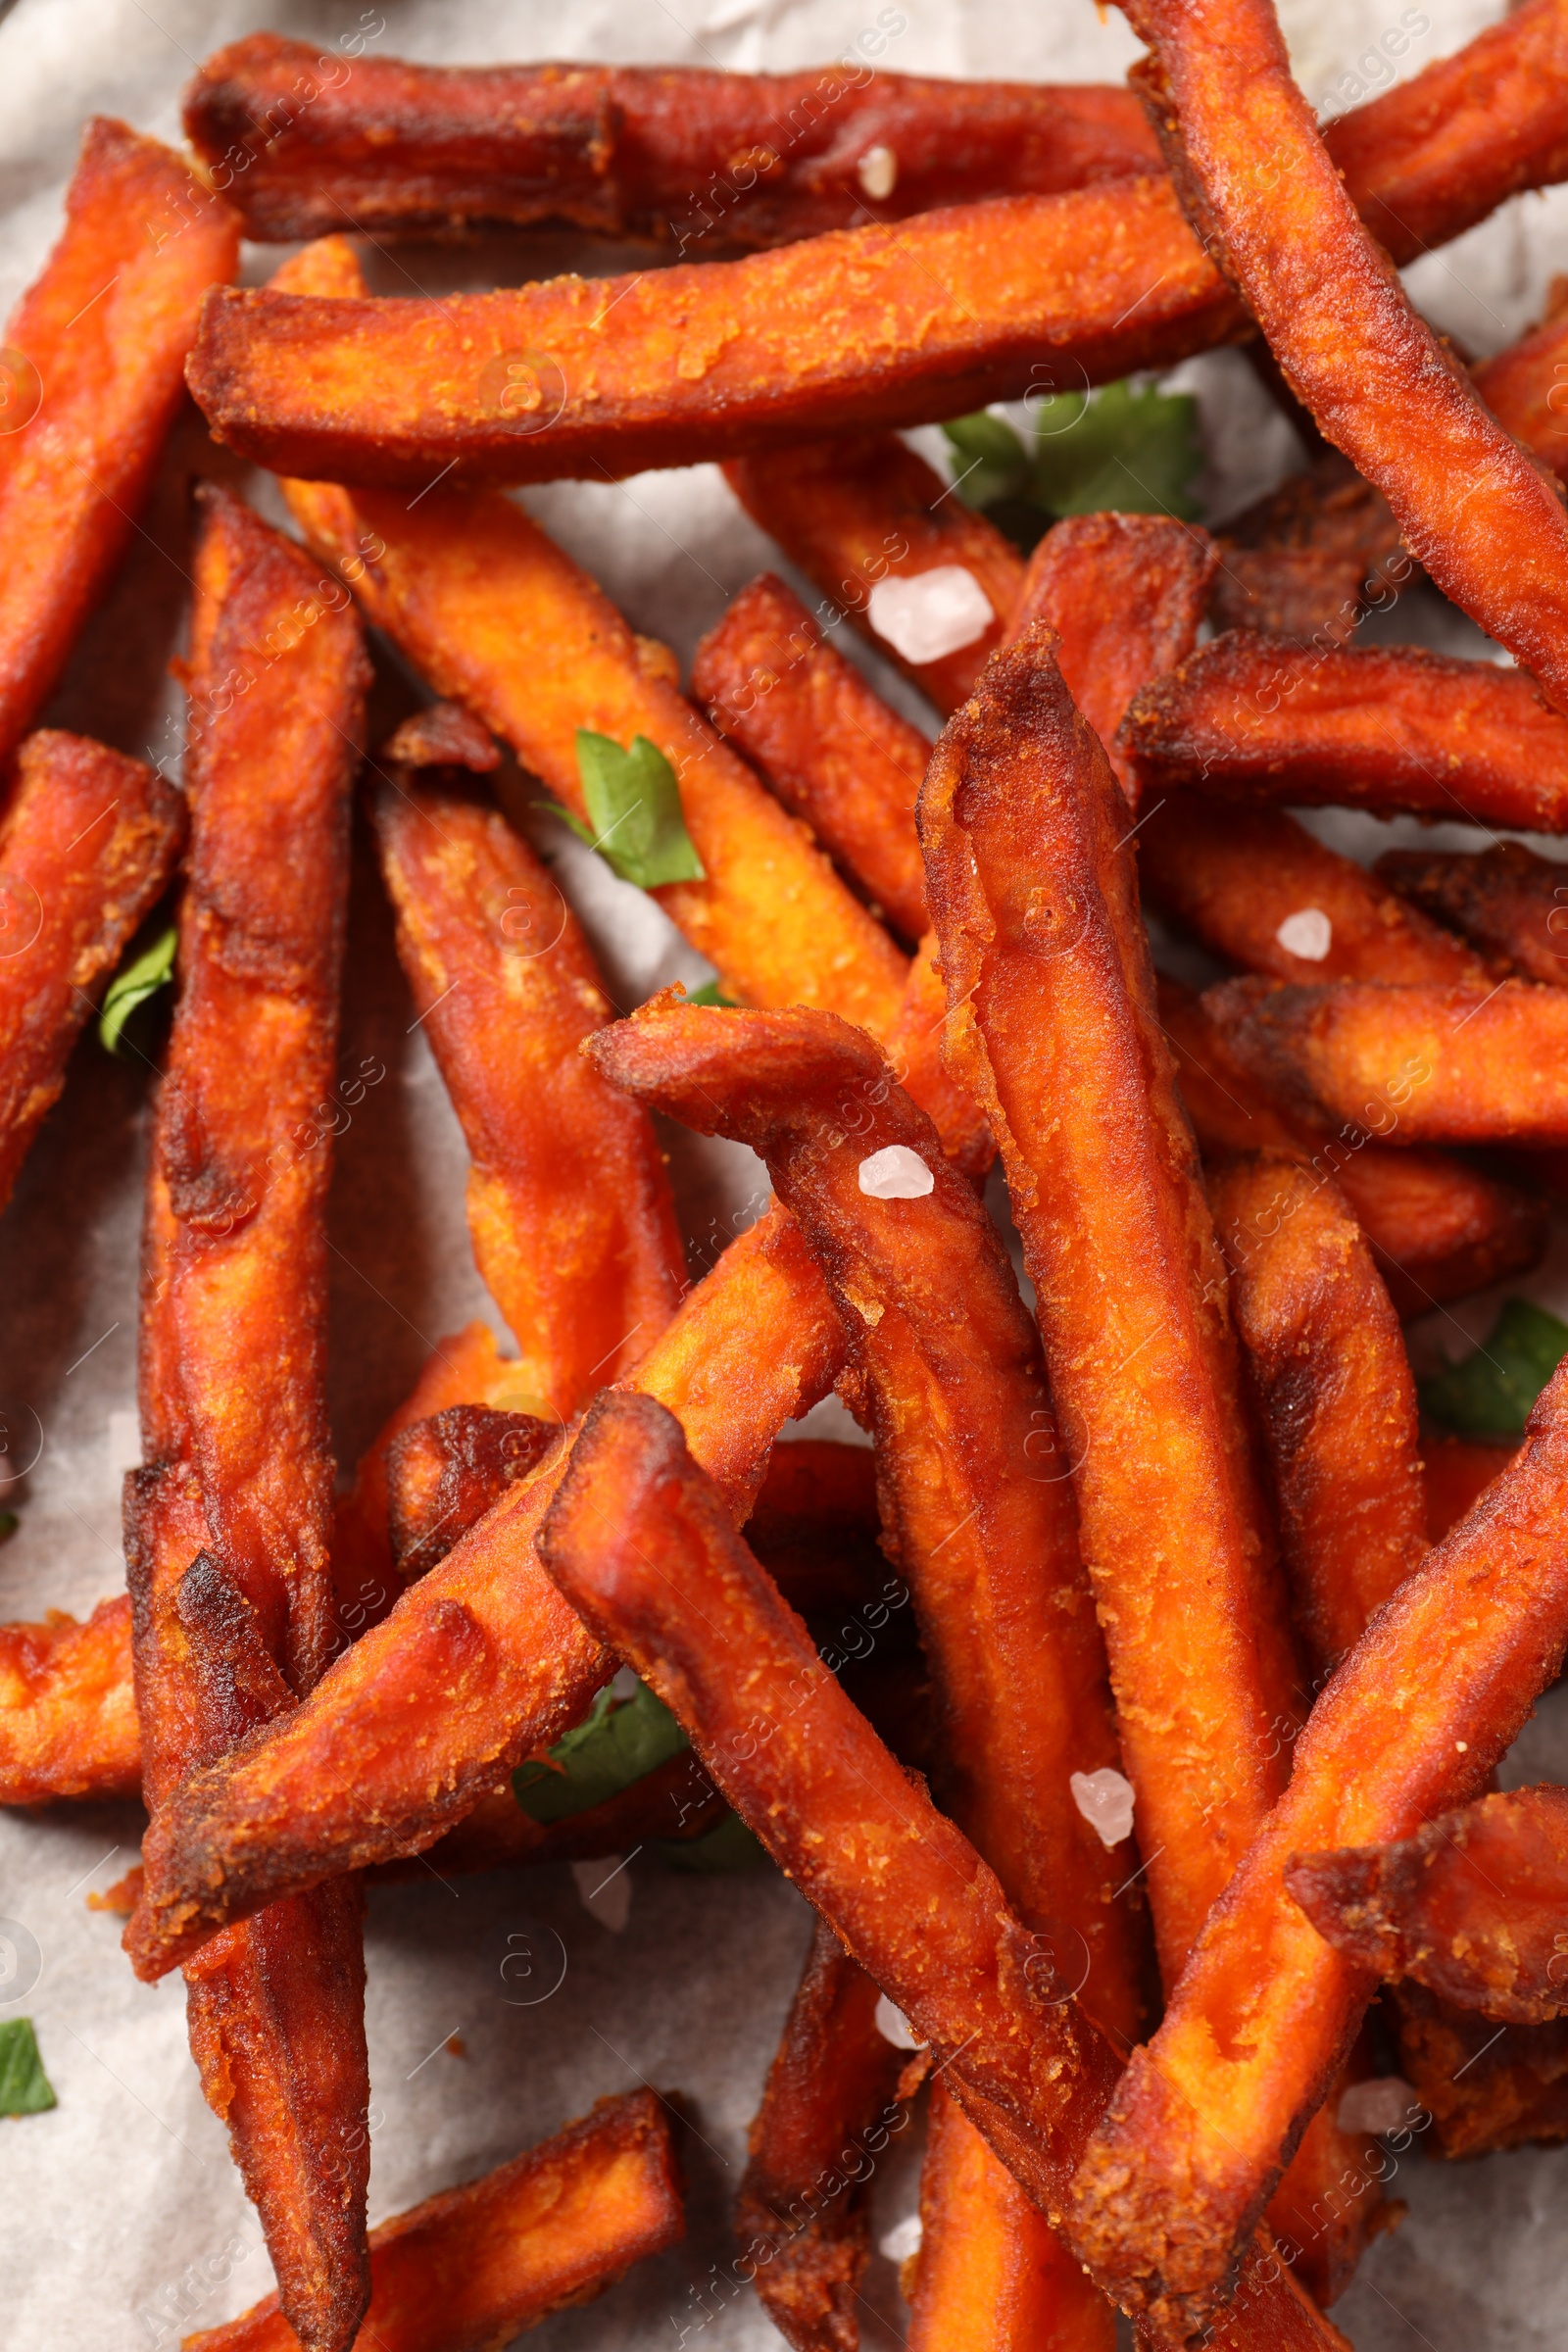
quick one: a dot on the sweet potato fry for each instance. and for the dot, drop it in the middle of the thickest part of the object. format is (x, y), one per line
(830, 747)
(1298, 563)
(1125, 593)
(1383, 727)
(89, 840)
(835, 2094)
(472, 2266)
(1522, 385)
(814, 1525)
(1437, 1227)
(645, 1550)
(1054, 1031)
(1327, 1367)
(68, 1709)
(444, 1474)
(1470, 504)
(92, 372)
(1506, 900)
(1415, 1720)
(677, 153)
(1471, 1906)
(856, 511)
(227, 1527)
(1415, 1064)
(1485, 2089)
(568, 1205)
(1259, 890)
(1457, 1472)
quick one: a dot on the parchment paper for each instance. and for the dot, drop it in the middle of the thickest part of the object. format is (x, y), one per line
(121, 2221)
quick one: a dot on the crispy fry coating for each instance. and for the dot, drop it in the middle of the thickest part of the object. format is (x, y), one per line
(830, 747)
(814, 1525)
(834, 2097)
(1485, 2089)
(1413, 1721)
(646, 1550)
(1472, 1906)
(1412, 1064)
(858, 510)
(67, 1707)
(89, 840)
(1327, 1365)
(1299, 563)
(677, 153)
(95, 350)
(1470, 504)
(1382, 727)
(1244, 879)
(1125, 593)
(1522, 385)
(1053, 1028)
(1506, 900)
(472, 2266)
(1457, 1472)
(444, 1474)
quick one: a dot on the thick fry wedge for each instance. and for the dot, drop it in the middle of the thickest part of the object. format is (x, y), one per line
(1470, 504)
(1412, 1064)
(1472, 1906)
(1327, 1365)
(570, 1206)
(227, 1527)
(88, 841)
(1437, 1227)
(1384, 727)
(90, 380)
(642, 1543)
(1413, 1721)
(1053, 1029)
(856, 511)
(1259, 890)
(1509, 903)
(677, 153)
(472, 2266)
(67, 1707)
(1125, 593)
(830, 747)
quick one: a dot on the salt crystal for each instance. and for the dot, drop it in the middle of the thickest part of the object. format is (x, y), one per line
(604, 1886)
(1384, 2104)
(1307, 933)
(903, 2239)
(895, 1173)
(1104, 1798)
(877, 172)
(925, 614)
(893, 2026)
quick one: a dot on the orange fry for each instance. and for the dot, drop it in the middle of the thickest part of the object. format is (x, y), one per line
(1327, 1365)
(68, 1710)
(1457, 1472)
(641, 1543)
(1383, 727)
(854, 512)
(1522, 385)
(1413, 1721)
(673, 152)
(1471, 1906)
(830, 749)
(1484, 2089)
(93, 375)
(472, 2266)
(1299, 563)
(87, 841)
(1503, 900)
(1469, 502)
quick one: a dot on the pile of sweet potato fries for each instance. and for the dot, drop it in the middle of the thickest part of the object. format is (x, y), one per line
(1175, 1850)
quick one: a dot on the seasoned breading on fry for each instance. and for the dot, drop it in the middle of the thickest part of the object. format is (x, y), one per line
(87, 841)
(472, 2265)
(1472, 1905)
(1412, 1723)
(227, 1526)
(94, 354)
(68, 1708)
(1384, 727)
(679, 153)
(1510, 904)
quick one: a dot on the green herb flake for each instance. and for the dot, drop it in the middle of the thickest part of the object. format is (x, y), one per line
(133, 984)
(991, 460)
(1124, 448)
(25, 2087)
(633, 798)
(619, 1741)
(1490, 1395)
(709, 994)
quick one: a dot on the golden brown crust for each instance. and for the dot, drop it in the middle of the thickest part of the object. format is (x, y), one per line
(1506, 900)
(67, 1707)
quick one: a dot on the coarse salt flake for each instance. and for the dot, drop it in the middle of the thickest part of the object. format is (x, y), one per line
(893, 2026)
(1104, 1798)
(895, 1173)
(1307, 933)
(878, 172)
(903, 2239)
(924, 614)
(1384, 2104)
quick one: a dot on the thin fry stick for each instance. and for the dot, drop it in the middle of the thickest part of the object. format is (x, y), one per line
(1503, 900)
(68, 1708)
